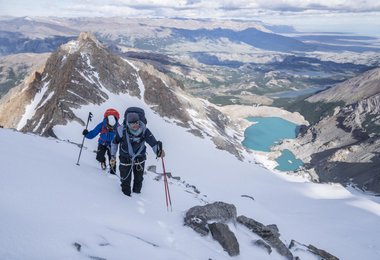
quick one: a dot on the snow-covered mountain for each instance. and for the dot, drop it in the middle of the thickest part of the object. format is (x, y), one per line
(84, 73)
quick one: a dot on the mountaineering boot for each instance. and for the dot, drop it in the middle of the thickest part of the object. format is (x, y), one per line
(126, 191)
(113, 170)
(136, 190)
(103, 165)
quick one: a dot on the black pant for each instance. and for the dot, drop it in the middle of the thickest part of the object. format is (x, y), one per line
(126, 170)
(100, 156)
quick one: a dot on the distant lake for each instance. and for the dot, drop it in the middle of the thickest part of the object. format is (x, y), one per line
(297, 93)
(268, 131)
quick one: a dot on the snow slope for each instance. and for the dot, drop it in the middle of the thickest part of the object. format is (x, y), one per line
(48, 203)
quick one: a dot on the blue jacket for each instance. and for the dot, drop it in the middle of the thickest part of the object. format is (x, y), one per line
(106, 135)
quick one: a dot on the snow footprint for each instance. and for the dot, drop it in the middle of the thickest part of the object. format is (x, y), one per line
(169, 238)
(141, 207)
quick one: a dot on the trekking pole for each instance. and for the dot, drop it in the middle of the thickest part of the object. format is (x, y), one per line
(167, 192)
(88, 120)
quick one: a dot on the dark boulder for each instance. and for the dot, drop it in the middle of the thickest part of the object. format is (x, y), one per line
(197, 217)
(269, 233)
(226, 238)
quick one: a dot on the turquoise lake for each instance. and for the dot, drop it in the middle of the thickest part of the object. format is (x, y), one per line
(268, 131)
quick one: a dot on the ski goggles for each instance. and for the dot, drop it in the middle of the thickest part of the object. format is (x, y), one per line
(134, 123)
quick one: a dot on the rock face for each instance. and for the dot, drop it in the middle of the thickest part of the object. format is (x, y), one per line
(157, 91)
(343, 147)
(353, 90)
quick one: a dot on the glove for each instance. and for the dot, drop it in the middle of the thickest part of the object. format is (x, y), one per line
(85, 132)
(159, 150)
(113, 162)
(161, 154)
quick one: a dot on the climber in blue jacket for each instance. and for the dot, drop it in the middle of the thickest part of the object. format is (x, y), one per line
(106, 129)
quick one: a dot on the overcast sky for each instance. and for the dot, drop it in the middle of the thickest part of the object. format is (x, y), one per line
(358, 16)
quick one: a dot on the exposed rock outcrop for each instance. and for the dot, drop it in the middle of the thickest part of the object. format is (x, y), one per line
(269, 234)
(215, 218)
(197, 217)
(310, 248)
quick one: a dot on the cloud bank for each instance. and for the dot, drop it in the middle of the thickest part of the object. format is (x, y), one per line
(220, 8)
(242, 9)
(361, 16)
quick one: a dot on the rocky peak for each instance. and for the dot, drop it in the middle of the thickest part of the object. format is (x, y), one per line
(86, 42)
(86, 36)
(78, 73)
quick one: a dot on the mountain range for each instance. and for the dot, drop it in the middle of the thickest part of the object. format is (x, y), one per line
(203, 55)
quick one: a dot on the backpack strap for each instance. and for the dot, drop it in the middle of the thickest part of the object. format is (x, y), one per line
(130, 149)
(126, 139)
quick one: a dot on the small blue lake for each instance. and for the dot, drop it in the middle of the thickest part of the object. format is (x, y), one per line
(268, 131)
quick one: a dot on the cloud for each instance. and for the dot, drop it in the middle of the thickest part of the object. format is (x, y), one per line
(320, 5)
(219, 8)
(241, 9)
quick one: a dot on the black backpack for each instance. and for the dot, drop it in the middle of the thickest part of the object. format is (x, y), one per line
(138, 111)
